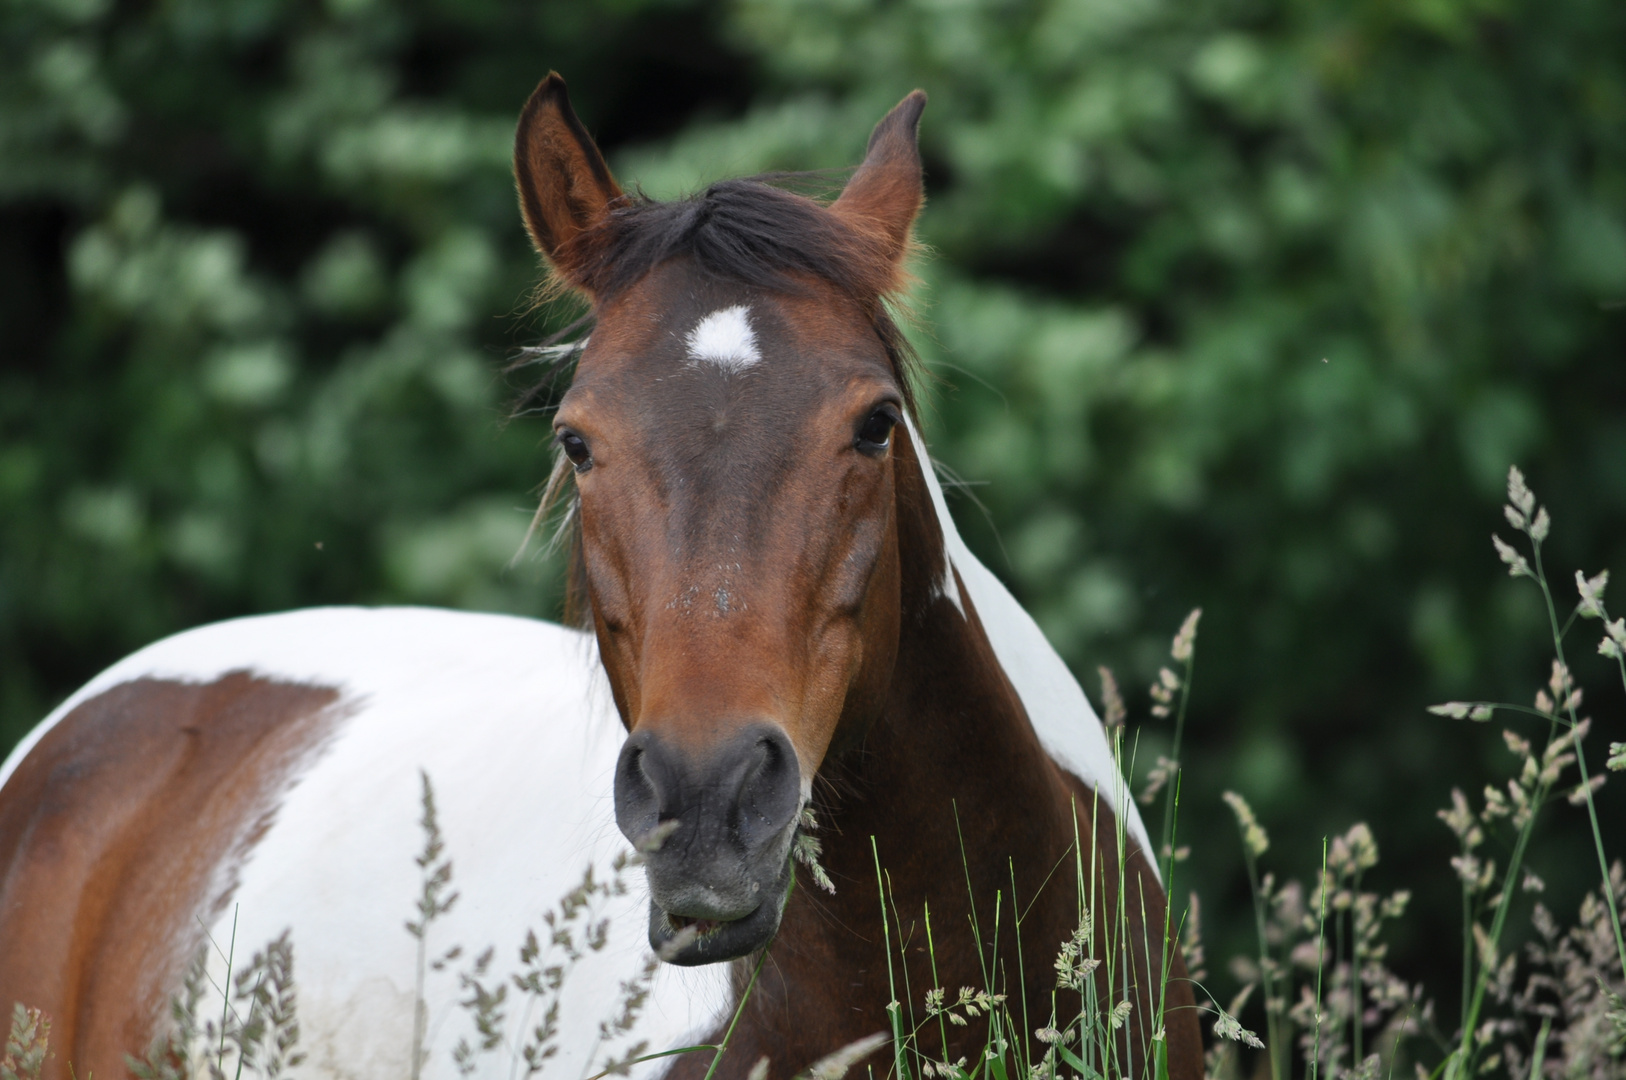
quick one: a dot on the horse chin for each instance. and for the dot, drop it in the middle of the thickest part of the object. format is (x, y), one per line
(689, 942)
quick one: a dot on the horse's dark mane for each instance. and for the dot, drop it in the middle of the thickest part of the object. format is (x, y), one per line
(751, 230)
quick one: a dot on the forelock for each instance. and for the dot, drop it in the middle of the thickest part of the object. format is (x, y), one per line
(746, 230)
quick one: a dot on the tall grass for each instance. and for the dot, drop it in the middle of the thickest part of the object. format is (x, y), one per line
(1567, 1018)
(1487, 965)
(1082, 1028)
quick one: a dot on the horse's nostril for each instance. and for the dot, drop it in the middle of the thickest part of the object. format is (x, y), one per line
(642, 787)
(769, 791)
(741, 795)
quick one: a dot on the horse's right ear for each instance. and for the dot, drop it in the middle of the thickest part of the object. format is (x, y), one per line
(564, 186)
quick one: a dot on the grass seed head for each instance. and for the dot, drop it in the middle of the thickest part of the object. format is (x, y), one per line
(652, 840)
(1518, 493)
(1113, 713)
(1540, 526)
(1161, 774)
(1591, 590)
(1354, 852)
(1559, 682)
(1163, 692)
(1230, 1028)
(1458, 818)
(23, 1056)
(1254, 838)
(1578, 797)
(1186, 640)
(1516, 564)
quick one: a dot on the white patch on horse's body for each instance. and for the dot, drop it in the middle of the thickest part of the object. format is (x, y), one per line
(509, 718)
(1060, 713)
(725, 338)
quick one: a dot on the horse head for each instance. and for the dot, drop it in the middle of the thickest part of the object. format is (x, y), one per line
(736, 439)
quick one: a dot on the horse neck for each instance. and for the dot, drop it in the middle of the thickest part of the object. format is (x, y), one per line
(951, 782)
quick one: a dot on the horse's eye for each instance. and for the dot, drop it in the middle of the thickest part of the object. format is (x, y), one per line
(575, 448)
(875, 435)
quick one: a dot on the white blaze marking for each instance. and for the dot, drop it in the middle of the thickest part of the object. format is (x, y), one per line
(724, 338)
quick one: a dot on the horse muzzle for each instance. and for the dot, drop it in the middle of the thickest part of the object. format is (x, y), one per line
(716, 828)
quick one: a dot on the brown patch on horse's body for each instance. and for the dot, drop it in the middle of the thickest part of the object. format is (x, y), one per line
(120, 830)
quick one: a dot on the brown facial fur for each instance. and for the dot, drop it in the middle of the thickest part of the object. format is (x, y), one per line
(114, 832)
(718, 504)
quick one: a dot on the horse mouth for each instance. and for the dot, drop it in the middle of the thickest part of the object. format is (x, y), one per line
(701, 927)
(688, 941)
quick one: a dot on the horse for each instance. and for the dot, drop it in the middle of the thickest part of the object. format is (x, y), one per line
(786, 657)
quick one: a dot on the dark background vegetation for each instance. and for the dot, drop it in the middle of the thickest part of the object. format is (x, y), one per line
(1246, 304)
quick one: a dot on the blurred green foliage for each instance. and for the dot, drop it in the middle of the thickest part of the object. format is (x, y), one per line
(1239, 303)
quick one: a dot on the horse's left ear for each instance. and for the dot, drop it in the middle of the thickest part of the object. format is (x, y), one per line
(564, 186)
(885, 193)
